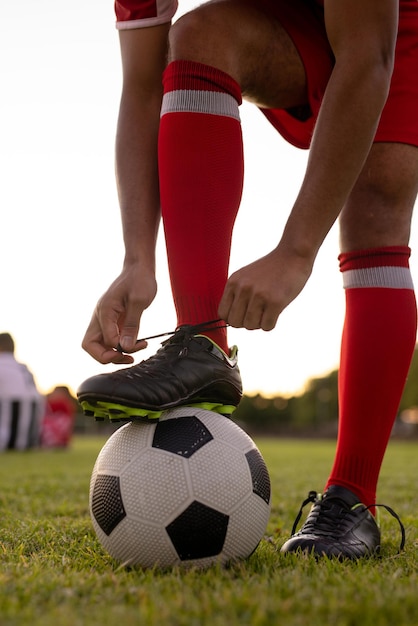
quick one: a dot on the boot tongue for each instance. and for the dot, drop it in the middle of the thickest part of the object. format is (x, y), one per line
(345, 497)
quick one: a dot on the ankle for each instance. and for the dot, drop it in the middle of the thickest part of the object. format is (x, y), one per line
(214, 330)
(219, 338)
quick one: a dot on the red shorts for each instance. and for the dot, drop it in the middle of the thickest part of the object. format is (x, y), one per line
(303, 21)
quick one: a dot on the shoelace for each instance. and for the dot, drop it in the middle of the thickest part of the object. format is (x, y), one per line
(314, 497)
(189, 331)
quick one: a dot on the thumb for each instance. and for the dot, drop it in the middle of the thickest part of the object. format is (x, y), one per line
(129, 331)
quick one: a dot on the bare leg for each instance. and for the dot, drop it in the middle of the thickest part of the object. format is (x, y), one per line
(379, 209)
(246, 43)
(200, 155)
(377, 345)
(380, 327)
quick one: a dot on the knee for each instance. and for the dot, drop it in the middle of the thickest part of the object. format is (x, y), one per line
(207, 35)
(390, 187)
(389, 177)
(379, 209)
(377, 213)
(190, 38)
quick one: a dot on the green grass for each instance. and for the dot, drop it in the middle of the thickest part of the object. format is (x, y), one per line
(53, 572)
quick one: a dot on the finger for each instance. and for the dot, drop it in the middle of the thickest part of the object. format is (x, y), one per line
(104, 354)
(130, 329)
(252, 318)
(113, 356)
(232, 307)
(260, 313)
(225, 304)
(236, 315)
(269, 319)
(95, 344)
(120, 358)
(140, 344)
(107, 323)
(239, 314)
(231, 315)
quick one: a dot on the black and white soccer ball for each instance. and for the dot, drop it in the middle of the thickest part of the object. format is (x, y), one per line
(191, 489)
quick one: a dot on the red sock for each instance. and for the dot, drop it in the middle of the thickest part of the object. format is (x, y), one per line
(201, 176)
(377, 346)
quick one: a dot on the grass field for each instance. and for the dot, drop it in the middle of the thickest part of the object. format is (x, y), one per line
(53, 572)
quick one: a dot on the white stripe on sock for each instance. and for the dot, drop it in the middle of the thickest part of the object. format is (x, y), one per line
(195, 101)
(392, 277)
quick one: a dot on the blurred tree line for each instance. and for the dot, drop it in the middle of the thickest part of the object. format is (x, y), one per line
(315, 411)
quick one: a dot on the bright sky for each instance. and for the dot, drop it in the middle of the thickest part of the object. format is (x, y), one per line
(61, 242)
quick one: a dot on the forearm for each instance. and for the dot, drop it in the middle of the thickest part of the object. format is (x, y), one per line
(137, 175)
(362, 35)
(342, 140)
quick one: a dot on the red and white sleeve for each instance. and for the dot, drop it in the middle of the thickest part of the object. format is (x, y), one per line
(143, 13)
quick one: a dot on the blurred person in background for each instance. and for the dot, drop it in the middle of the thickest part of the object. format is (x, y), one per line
(58, 422)
(21, 404)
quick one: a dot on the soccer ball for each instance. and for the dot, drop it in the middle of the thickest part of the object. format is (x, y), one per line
(191, 489)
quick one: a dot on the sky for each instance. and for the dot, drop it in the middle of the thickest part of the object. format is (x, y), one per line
(60, 232)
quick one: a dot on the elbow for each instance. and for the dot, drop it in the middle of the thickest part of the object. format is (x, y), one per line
(383, 63)
(372, 71)
(379, 75)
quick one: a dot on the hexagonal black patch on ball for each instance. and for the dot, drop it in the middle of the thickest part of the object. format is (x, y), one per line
(259, 474)
(182, 435)
(198, 532)
(106, 503)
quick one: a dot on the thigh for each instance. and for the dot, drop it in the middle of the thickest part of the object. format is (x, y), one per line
(379, 209)
(244, 39)
(277, 50)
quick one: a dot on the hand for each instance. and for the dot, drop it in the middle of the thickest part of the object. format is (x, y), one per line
(117, 316)
(255, 295)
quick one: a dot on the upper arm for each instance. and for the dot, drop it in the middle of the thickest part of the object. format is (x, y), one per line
(362, 31)
(144, 54)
